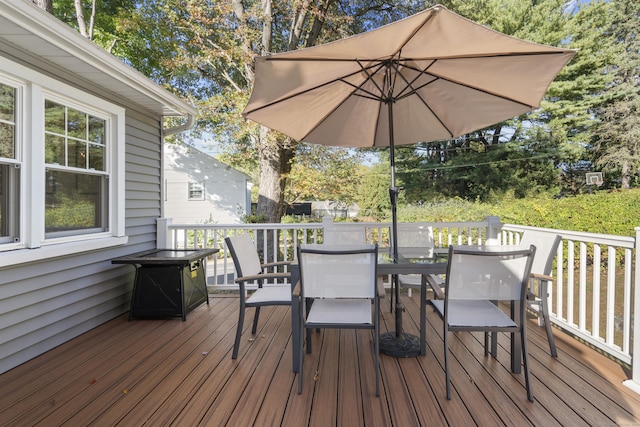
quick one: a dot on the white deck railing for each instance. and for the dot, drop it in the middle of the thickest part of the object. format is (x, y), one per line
(591, 298)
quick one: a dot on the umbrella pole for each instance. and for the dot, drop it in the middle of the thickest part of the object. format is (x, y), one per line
(396, 344)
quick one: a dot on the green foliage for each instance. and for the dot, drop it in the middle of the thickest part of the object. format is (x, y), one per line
(324, 173)
(605, 212)
(617, 138)
(70, 214)
(203, 51)
(372, 194)
(547, 149)
(450, 210)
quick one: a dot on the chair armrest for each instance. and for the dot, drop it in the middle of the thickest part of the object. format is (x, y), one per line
(275, 264)
(297, 291)
(537, 276)
(436, 285)
(263, 276)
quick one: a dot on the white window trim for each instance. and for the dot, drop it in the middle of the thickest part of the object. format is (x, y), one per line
(202, 189)
(33, 246)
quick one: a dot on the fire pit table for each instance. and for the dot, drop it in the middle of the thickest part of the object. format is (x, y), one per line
(168, 282)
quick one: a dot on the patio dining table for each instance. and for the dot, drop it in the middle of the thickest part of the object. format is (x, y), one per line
(425, 265)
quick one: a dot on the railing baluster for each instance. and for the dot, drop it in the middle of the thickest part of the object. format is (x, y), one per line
(570, 282)
(559, 285)
(627, 306)
(611, 297)
(595, 303)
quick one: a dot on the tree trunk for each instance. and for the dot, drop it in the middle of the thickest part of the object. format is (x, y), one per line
(82, 24)
(44, 4)
(275, 164)
(625, 177)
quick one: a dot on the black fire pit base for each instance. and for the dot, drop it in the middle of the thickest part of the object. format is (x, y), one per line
(405, 345)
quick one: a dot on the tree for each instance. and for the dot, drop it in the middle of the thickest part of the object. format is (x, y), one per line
(44, 4)
(372, 194)
(539, 151)
(97, 21)
(324, 173)
(205, 50)
(617, 139)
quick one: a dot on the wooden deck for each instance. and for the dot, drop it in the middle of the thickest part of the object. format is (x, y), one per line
(169, 372)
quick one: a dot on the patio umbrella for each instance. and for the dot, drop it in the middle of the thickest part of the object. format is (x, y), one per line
(432, 76)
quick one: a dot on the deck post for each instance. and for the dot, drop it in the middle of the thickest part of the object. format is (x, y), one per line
(493, 230)
(634, 382)
(164, 237)
(327, 222)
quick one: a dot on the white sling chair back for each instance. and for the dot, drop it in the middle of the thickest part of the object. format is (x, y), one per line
(340, 283)
(344, 234)
(250, 270)
(538, 294)
(477, 278)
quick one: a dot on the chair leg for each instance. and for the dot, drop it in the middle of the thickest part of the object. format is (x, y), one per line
(486, 344)
(494, 345)
(376, 340)
(300, 356)
(525, 362)
(236, 344)
(308, 341)
(544, 307)
(391, 295)
(446, 363)
(423, 323)
(255, 320)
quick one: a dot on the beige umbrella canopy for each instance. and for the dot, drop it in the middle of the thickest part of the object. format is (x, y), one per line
(443, 76)
(432, 76)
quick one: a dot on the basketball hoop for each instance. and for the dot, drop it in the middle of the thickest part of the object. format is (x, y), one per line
(594, 178)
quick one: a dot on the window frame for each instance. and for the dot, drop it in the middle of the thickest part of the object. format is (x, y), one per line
(30, 137)
(14, 203)
(191, 189)
(78, 170)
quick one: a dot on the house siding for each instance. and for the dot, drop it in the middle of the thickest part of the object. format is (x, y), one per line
(46, 303)
(49, 301)
(227, 194)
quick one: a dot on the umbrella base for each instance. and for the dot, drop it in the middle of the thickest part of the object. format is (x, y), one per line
(405, 345)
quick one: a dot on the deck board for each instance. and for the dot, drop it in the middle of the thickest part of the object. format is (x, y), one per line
(169, 372)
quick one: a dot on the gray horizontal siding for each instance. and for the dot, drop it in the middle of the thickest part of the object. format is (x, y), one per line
(47, 303)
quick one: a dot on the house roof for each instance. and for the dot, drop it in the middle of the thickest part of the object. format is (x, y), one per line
(37, 37)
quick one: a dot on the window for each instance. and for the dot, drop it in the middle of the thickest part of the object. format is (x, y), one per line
(61, 168)
(76, 175)
(9, 165)
(196, 191)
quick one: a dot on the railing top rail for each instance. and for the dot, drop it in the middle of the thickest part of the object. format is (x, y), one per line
(317, 225)
(602, 239)
(267, 226)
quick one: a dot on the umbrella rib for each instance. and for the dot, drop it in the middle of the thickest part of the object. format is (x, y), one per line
(370, 94)
(415, 31)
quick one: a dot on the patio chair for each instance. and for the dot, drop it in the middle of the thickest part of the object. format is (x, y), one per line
(340, 283)
(537, 296)
(249, 269)
(344, 234)
(416, 241)
(477, 279)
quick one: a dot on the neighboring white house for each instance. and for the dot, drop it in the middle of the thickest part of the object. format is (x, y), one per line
(81, 137)
(200, 189)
